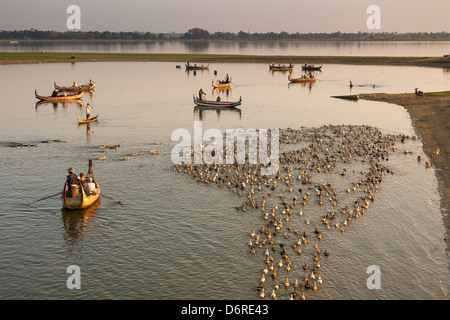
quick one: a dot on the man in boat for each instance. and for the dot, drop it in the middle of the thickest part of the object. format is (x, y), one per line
(74, 84)
(90, 82)
(54, 93)
(72, 183)
(88, 110)
(200, 94)
(227, 79)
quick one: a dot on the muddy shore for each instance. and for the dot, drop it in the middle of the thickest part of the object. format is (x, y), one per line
(430, 115)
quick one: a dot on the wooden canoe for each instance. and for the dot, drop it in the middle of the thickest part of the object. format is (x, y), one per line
(197, 67)
(84, 87)
(74, 96)
(91, 119)
(274, 67)
(302, 80)
(221, 86)
(82, 200)
(311, 67)
(216, 104)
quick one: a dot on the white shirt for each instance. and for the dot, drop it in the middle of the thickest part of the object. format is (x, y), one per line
(90, 186)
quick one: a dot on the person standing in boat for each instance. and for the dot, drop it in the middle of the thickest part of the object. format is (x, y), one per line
(88, 110)
(227, 79)
(200, 94)
(72, 183)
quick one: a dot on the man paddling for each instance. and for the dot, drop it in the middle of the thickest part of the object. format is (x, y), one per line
(88, 110)
(200, 94)
(72, 183)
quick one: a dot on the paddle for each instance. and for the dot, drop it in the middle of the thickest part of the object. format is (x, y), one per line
(45, 198)
(111, 198)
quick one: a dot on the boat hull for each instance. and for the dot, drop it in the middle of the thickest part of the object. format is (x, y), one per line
(92, 119)
(222, 86)
(195, 67)
(302, 80)
(60, 98)
(281, 68)
(84, 87)
(216, 104)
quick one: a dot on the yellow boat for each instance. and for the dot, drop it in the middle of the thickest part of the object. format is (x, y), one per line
(74, 96)
(302, 79)
(82, 200)
(221, 86)
(92, 119)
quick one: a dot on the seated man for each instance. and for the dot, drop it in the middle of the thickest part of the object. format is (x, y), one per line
(90, 187)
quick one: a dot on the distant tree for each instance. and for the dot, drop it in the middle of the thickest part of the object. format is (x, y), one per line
(197, 33)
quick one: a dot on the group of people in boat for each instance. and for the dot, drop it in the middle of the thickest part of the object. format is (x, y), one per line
(74, 182)
(282, 66)
(225, 81)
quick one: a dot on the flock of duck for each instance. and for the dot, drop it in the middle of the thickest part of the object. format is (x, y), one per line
(327, 178)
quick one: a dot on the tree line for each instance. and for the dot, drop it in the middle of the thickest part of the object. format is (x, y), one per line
(202, 34)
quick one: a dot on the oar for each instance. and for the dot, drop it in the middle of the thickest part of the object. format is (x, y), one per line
(45, 198)
(111, 198)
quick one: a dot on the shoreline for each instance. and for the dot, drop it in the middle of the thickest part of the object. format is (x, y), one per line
(430, 116)
(50, 57)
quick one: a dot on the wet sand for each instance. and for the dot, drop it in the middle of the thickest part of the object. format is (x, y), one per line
(431, 119)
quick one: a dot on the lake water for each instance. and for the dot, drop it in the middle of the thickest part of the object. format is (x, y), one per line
(302, 48)
(174, 238)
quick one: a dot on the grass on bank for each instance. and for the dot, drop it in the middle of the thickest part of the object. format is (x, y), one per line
(36, 57)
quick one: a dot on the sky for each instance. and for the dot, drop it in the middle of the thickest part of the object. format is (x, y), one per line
(164, 16)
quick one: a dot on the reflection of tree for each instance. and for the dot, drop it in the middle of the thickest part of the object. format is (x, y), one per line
(76, 222)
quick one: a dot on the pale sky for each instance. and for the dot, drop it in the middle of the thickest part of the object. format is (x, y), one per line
(292, 16)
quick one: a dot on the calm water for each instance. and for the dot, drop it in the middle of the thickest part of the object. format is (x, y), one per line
(174, 238)
(306, 48)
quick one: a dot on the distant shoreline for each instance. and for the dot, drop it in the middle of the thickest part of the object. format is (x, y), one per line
(50, 57)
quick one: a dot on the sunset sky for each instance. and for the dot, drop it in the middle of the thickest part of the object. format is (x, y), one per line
(230, 16)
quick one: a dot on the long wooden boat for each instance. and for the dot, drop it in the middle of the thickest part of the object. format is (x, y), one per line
(74, 96)
(216, 104)
(82, 200)
(311, 67)
(91, 119)
(84, 87)
(274, 67)
(302, 79)
(197, 67)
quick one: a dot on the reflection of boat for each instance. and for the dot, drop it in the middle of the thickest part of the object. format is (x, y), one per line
(84, 87)
(302, 79)
(82, 200)
(216, 104)
(200, 110)
(75, 222)
(64, 103)
(91, 119)
(196, 67)
(221, 86)
(311, 67)
(274, 67)
(77, 95)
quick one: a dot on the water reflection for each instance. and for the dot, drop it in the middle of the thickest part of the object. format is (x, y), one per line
(64, 104)
(76, 223)
(199, 112)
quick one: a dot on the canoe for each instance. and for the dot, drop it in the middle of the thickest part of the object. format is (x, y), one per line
(83, 200)
(197, 67)
(302, 80)
(91, 119)
(216, 104)
(74, 96)
(281, 68)
(221, 85)
(311, 67)
(84, 87)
